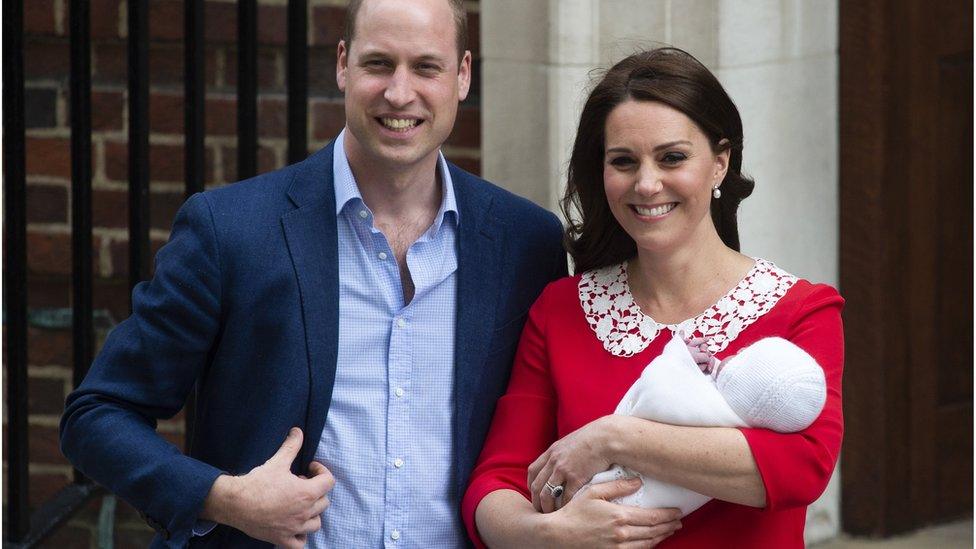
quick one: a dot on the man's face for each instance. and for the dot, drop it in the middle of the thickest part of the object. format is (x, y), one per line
(402, 81)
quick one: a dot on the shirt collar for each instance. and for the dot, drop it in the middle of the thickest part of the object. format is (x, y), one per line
(347, 189)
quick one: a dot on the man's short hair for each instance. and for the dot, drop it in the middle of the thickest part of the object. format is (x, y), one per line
(460, 23)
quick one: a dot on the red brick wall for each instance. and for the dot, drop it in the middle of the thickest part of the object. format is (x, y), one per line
(46, 63)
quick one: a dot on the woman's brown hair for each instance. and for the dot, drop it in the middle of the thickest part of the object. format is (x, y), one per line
(675, 78)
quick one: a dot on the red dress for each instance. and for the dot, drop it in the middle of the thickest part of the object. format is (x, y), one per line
(572, 368)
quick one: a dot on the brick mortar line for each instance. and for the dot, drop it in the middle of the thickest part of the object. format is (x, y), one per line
(173, 427)
(43, 420)
(47, 469)
(114, 234)
(48, 181)
(50, 372)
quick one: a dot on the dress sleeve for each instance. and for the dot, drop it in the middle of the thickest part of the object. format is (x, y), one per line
(524, 424)
(796, 467)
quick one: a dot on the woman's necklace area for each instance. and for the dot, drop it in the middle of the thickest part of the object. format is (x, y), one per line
(718, 284)
(613, 313)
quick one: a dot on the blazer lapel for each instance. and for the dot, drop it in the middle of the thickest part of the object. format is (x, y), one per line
(312, 237)
(478, 280)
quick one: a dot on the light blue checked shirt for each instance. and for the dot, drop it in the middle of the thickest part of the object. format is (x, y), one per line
(387, 438)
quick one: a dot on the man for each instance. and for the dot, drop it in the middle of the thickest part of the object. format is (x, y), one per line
(363, 306)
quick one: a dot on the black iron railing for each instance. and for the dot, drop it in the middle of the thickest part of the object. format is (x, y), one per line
(15, 266)
(23, 528)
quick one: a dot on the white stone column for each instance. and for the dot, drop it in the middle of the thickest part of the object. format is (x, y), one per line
(535, 65)
(778, 61)
(776, 58)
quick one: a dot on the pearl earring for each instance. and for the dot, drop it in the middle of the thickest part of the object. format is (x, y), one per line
(716, 192)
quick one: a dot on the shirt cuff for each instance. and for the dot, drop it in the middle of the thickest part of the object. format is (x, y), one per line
(203, 527)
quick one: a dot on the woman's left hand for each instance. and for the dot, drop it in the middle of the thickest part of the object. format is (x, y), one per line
(570, 462)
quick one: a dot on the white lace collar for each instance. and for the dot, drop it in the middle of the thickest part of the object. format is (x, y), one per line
(625, 331)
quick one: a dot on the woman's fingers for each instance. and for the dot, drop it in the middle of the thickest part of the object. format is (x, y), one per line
(668, 518)
(644, 543)
(650, 524)
(609, 491)
(548, 498)
(570, 491)
(538, 488)
(646, 533)
(535, 467)
(546, 480)
(654, 542)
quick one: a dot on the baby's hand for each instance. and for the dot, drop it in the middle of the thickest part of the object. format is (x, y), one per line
(699, 352)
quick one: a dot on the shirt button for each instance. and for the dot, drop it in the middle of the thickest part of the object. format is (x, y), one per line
(363, 214)
(382, 255)
(401, 323)
(395, 535)
(398, 463)
(398, 392)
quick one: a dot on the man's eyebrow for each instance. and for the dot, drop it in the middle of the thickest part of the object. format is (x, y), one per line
(422, 58)
(430, 57)
(373, 55)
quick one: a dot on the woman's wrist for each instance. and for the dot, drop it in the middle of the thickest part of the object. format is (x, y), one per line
(627, 438)
(616, 437)
(505, 518)
(546, 528)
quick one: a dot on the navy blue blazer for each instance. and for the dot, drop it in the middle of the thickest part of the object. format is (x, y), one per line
(244, 305)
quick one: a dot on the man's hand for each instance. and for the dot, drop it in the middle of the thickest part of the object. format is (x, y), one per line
(270, 503)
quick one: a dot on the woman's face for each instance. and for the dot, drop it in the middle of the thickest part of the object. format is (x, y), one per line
(658, 173)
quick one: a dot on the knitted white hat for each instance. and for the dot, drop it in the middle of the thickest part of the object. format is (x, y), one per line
(774, 384)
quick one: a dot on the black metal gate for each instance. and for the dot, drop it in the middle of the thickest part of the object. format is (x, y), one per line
(22, 528)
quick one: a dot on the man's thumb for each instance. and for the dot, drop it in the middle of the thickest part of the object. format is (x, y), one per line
(289, 449)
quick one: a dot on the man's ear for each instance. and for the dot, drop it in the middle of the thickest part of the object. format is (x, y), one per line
(342, 63)
(464, 76)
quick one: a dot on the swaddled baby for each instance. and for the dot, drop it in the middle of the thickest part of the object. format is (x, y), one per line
(771, 384)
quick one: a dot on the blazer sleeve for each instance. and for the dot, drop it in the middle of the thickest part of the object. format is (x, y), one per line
(144, 373)
(523, 426)
(796, 467)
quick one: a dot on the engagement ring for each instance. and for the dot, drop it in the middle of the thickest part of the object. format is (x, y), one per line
(554, 491)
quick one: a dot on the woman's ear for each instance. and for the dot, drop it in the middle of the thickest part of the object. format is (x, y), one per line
(722, 160)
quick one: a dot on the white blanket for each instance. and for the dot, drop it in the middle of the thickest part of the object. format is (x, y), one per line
(771, 383)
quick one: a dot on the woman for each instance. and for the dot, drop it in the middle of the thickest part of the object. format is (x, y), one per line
(655, 177)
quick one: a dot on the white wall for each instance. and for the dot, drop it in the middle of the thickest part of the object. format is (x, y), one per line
(776, 58)
(778, 61)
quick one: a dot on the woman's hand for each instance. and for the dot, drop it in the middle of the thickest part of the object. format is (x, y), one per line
(570, 463)
(591, 520)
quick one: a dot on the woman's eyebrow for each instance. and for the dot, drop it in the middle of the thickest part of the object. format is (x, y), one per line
(655, 149)
(671, 144)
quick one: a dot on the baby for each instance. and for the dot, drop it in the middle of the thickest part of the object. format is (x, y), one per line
(771, 384)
